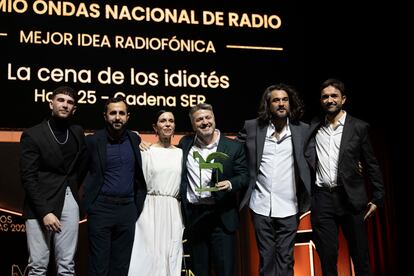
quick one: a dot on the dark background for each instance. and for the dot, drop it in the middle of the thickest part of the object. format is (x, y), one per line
(362, 44)
(366, 45)
(250, 71)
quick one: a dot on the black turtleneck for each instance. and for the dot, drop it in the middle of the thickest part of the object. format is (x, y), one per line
(60, 128)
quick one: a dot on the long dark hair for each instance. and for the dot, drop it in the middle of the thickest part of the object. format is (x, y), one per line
(295, 103)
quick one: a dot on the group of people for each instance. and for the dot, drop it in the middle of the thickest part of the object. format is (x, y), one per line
(140, 198)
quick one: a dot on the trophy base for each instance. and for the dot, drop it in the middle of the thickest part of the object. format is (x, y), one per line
(206, 189)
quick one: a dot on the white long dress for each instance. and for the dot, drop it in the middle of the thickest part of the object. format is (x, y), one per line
(158, 249)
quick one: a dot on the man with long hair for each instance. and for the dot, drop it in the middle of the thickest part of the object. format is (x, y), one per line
(279, 188)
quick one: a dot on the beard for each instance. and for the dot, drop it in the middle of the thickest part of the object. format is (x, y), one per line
(277, 115)
(333, 109)
(116, 126)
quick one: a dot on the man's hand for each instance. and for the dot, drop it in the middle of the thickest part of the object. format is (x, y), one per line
(371, 209)
(52, 223)
(224, 185)
(143, 146)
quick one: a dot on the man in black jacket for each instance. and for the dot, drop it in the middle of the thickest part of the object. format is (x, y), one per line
(212, 218)
(52, 154)
(114, 191)
(340, 153)
(279, 189)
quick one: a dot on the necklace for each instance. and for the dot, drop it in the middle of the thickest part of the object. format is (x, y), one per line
(56, 139)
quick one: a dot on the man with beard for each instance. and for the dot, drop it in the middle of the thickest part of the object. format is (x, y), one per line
(279, 188)
(211, 217)
(114, 191)
(52, 168)
(341, 156)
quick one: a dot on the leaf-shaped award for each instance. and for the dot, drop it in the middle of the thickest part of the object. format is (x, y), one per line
(208, 164)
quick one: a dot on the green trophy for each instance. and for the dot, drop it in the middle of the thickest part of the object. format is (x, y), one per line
(207, 164)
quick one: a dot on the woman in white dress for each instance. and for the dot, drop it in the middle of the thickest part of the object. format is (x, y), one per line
(158, 249)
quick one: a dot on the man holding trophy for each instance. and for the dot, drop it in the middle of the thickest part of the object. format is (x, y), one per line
(214, 171)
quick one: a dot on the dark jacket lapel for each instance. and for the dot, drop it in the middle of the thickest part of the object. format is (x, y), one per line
(346, 136)
(54, 146)
(78, 152)
(310, 150)
(296, 144)
(260, 141)
(135, 147)
(101, 145)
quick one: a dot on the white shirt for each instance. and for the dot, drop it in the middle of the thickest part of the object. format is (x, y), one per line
(193, 172)
(328, 142)
(275, 191)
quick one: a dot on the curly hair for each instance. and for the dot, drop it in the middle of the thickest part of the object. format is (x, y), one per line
(295, 103)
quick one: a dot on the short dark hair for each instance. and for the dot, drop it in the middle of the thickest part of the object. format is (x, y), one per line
(116, 99)
(66, 90)
(159, 113)
(334, 83)
(200, 106)
(295, 103)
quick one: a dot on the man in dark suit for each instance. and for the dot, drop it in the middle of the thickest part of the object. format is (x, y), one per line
(51, 171)
(211, 217)
(340, 153)
(279, 188)
(114, 191)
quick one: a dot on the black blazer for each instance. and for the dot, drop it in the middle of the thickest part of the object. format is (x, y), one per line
(355, 149)
(235, 170)
(43, 173)
(96, 144)
(253, 136)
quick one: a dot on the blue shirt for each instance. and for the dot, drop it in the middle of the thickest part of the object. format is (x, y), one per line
(120, 168)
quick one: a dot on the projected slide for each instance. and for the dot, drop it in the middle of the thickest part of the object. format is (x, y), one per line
(158, 55)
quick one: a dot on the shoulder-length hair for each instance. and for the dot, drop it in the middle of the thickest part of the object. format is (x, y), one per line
(295, 103)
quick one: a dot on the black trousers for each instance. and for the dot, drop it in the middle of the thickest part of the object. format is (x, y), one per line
(275, 239)
(211, 247)
(329, 211)
(111, 230)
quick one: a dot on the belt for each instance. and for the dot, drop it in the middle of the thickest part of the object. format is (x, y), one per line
(115, 199)
(330, 189)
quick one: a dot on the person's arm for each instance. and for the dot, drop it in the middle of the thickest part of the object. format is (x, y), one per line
(84, 158)
(240, 178)
(144, 145)
(29, 168)
(52, 223)
(373, 170)
(242, 135)
(224, 185)
(227, 185)
(371, 207)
